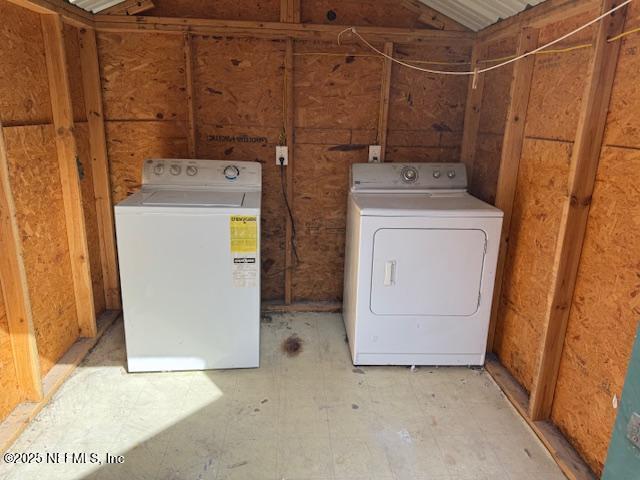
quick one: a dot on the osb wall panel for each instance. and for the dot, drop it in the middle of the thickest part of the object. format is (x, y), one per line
(623, 127)
(231, 107)
(24, 87)
(338, 94)
(227, 90)
(558, 83)
(74, 69)
(143, 76)
(321, 182)
(426, 111)
(541, 188)
(90, 215)
(389, 13)
(605, 309)
(265, 10)
(130, 143)
(35, 181)
(9, 387)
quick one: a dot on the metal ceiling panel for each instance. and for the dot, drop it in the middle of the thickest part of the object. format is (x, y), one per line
(478, 14)
(95, 6)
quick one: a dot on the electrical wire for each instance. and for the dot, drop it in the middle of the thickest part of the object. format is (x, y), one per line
(492, 67)
(294, 247)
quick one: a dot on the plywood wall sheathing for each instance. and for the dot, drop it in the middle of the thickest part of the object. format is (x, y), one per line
(143, 76)
(231, 106)
(52, 30)
(540, 189)
(337, 104)
(24, 92)
(35, 181)
(605, 310)
(266, 10)
(584, 166)
(426, 112)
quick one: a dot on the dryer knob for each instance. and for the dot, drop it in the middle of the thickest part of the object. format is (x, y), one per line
(409, 174)
(436, 174)
(231, 172)
(175, 169)
(451, 174)
(158, 169)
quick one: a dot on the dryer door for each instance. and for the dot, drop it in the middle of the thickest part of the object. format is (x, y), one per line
(427, 271)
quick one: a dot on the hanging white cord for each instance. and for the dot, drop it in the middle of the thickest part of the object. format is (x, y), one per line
(486, 69)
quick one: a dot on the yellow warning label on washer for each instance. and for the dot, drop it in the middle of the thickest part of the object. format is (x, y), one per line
(244, 234)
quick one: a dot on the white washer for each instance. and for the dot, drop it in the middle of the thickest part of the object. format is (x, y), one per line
(420, 264)
(189, 255)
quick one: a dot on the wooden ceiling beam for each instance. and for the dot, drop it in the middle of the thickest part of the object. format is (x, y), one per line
(278, 30)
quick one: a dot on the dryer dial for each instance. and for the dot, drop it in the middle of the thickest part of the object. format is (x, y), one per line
(409, 174)
(231, 172)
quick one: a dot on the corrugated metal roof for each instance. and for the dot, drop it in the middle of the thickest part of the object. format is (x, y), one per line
(478, 14)
(475, 14)
(95, 6)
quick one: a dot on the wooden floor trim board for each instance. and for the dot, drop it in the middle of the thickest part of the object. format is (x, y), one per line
(23, 414)
(554, 441)
(331, 307)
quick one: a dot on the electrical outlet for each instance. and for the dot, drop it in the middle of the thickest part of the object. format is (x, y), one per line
(375, 152)
(282, 152)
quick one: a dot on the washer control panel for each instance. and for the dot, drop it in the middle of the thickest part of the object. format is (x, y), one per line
(192, 172)
(408, 176)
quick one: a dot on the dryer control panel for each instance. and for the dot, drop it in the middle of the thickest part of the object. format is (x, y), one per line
(408, 176)
(201, 173)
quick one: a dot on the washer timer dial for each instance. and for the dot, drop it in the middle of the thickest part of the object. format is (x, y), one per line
(191, 170)
(231, 172)
(409, 175)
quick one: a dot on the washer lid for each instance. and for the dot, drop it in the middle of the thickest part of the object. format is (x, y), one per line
(435, 204)
(193, 198)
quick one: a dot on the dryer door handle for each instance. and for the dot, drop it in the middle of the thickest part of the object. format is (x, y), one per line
(389, 273)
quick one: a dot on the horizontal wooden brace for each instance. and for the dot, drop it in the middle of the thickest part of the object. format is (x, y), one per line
(304, 31)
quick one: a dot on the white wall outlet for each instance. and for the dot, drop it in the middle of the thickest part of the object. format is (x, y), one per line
(282, 152)
(375, 153)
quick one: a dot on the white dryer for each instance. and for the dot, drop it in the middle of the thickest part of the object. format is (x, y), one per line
(420, 264)
(189, 255)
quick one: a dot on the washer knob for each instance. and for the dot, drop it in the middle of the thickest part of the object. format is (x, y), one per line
(158, 169)
(191, 170)
(175, 169)
(409, 174)
(231, 172)
(451, 174)
(436, 174)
